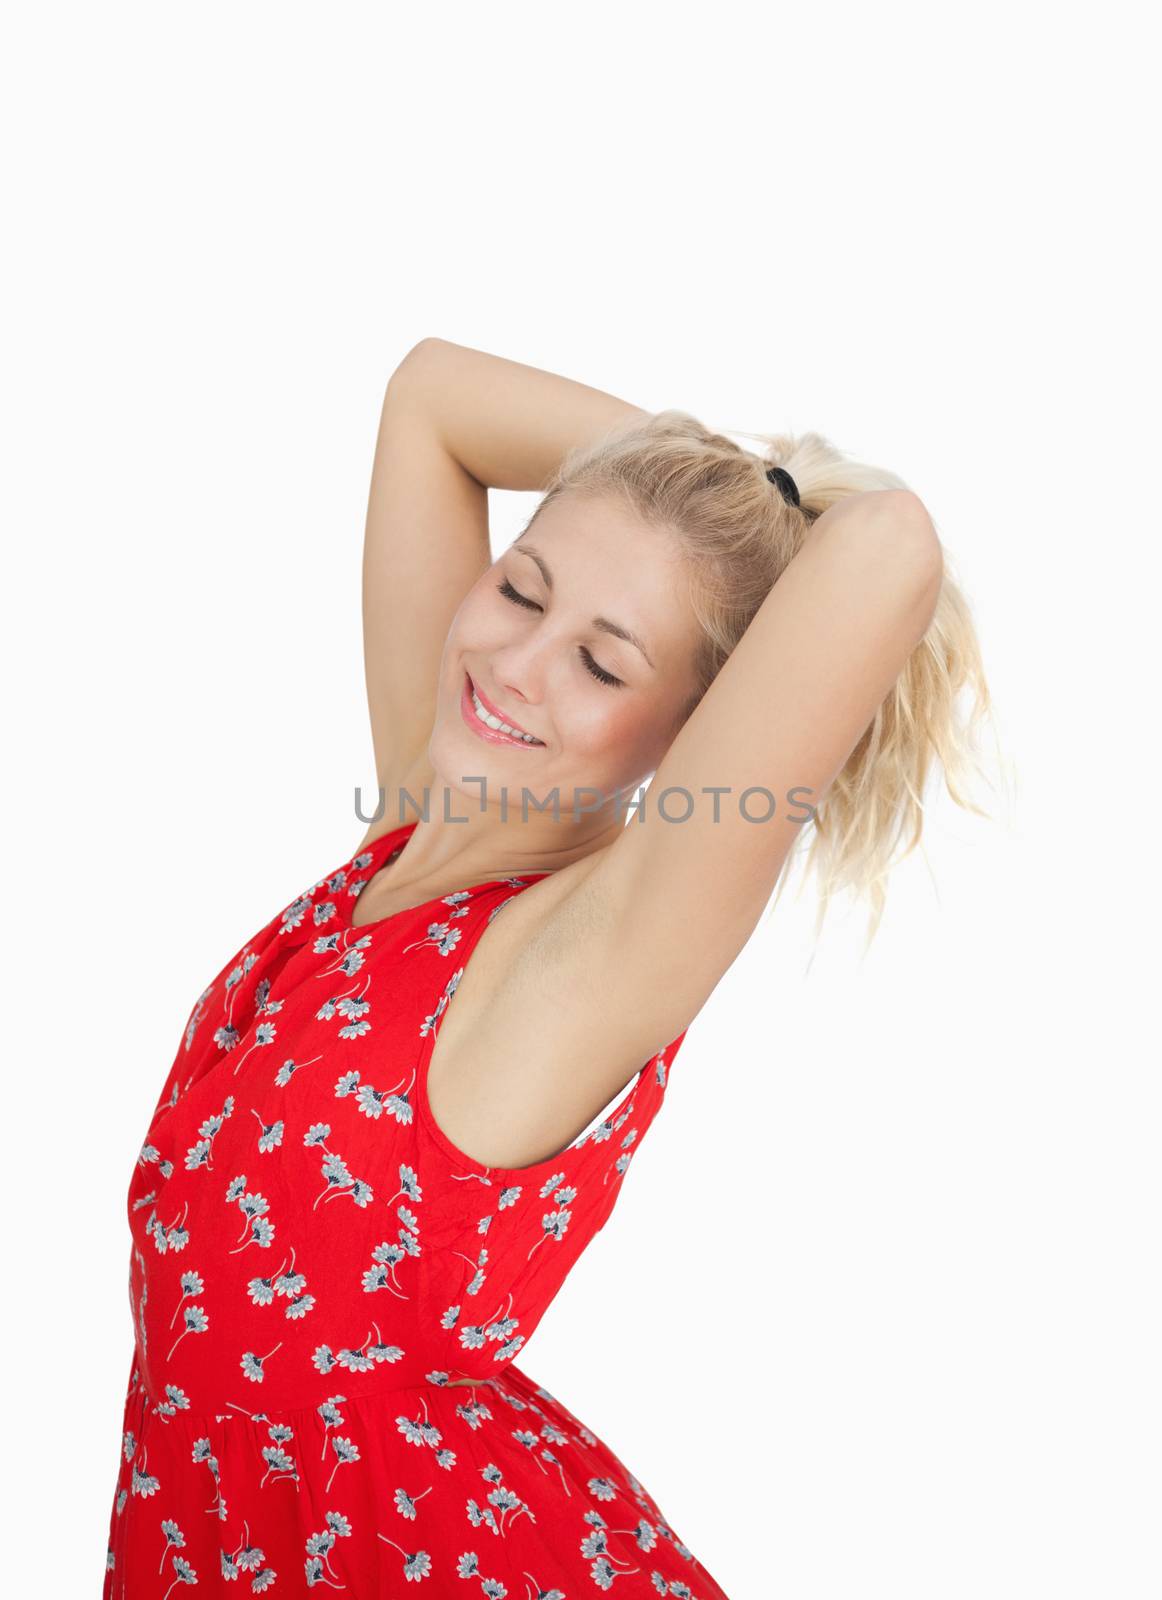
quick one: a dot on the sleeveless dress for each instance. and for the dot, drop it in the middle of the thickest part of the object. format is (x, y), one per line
(313, 1263)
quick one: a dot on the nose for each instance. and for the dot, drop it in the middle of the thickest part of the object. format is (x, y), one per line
(516, 693)
(519, 671)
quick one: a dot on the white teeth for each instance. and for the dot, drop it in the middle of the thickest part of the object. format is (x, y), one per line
(494, 722)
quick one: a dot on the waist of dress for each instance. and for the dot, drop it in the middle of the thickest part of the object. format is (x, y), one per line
(281, 1401)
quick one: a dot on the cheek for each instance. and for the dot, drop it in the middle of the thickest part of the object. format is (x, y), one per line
(475, 618)
(476, 630)
(615, 730)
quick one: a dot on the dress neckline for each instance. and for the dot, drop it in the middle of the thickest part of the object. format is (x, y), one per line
(380, 850)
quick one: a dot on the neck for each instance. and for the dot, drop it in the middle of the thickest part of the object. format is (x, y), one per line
(455, 836)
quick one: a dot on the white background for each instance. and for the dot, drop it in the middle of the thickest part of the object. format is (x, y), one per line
(879, 1314)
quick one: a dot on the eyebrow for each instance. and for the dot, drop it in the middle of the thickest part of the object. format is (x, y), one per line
(605, 625)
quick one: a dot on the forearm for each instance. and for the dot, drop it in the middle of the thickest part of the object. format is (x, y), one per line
(507, 424)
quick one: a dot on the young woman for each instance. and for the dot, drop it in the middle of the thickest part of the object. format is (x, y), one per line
(396, 1118)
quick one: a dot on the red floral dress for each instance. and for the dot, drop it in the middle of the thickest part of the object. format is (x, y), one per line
(313, 1262)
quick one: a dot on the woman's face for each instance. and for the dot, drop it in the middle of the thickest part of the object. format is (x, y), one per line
(582, 635)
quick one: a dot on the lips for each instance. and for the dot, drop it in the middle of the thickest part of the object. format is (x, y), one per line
(490, 706)
(494, 735)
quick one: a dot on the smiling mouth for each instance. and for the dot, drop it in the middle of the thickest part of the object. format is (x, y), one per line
(483, 721)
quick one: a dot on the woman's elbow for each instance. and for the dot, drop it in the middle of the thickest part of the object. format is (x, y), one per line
(909, 535)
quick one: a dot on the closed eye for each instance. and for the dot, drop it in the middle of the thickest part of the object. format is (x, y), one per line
(510, 593)
(506, 589)
(599, 672)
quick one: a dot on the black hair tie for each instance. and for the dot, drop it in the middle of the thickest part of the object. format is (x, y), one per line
(787, 486)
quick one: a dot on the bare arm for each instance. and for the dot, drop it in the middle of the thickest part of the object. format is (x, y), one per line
(784, 714)
(455, 422)
(627, 958)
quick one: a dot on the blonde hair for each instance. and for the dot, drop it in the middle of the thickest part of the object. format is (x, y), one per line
(737, 534)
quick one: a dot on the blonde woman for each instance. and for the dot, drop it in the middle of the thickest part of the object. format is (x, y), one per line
(396, 1117)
